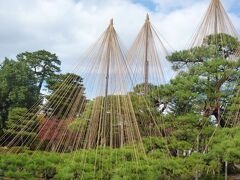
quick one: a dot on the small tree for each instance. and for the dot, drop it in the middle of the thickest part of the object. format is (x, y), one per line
(21, 126)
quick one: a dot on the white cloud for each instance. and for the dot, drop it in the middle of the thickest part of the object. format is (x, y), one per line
(69, 27)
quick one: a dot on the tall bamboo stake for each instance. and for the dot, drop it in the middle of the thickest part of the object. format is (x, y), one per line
(146, 64)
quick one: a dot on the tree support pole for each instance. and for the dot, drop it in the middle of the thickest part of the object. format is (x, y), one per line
(105, 115)
(146, 64)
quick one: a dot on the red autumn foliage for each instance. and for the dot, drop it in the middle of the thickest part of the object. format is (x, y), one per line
(53, 129)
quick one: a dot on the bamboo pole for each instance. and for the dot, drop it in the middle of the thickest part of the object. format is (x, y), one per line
(146, 64)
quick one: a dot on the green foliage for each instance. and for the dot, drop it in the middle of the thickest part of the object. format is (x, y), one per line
(121, 163)
(225, 44)
(225, 145)
(68, 90)
(107, 164)
(201, 99)
(214, 46)
(43, 63)
(208, 89)
(21, 125)
(21, 82)
(27, 166)
(192, 56)
(17, 88)
(140, 88)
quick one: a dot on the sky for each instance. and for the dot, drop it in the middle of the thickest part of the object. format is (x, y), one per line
(69, 27)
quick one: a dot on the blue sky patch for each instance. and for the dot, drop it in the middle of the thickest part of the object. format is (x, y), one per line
(147, 3)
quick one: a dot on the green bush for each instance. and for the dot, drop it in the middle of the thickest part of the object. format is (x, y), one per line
(123, 163)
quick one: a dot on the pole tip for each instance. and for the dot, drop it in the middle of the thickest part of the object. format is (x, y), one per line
(111, 22)
(147, 17)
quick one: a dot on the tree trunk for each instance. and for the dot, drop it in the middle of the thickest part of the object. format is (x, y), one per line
(42, 80)
(217, 114)
(226, 170)
(40, 85)
(196, 176)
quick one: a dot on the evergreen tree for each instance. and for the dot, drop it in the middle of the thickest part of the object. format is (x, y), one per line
(67, 96)
(21, 126)
(17, 88)
(43, 64)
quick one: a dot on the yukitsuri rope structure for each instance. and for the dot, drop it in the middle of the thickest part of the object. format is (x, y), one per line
(216, 21)
(99, 114)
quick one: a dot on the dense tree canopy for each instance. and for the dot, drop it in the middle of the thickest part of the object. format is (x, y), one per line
(214, 46)
(17, 88)
(43, 64)
(22, 81)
